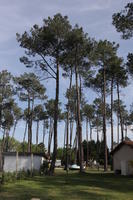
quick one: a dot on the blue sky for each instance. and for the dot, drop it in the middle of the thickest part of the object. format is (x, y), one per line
(95, 16)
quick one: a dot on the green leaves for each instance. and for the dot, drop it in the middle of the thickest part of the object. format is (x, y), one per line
(44, 45)
(123, 21)
(104, 51)
(6, 100)
(130, 63)
(29, 84)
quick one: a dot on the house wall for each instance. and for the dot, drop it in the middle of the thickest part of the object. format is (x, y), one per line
(125, 153)
(24, 163)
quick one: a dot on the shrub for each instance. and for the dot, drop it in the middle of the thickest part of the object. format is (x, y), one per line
(131, 163)
(44, 168)
(8, 177)
(12, 176)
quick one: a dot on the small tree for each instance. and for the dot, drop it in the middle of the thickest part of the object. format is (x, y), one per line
(29, 88)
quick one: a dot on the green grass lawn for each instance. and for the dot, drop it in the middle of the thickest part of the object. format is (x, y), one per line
(74, 186)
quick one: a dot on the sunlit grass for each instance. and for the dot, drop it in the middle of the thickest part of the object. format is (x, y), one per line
(90, 185)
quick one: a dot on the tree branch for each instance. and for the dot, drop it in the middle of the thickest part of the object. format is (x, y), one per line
(43, 79)
(52, 76)
(47, 64)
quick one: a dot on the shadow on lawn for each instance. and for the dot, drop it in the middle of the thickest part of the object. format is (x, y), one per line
(103, 180)
(72, 187)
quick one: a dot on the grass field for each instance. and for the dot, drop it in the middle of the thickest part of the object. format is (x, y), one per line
(74, 186)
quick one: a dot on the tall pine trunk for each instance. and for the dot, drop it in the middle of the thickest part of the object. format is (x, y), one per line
(37, 133)
(43, 131)
(64, 141)
(1, 159)
(68, 114)
(90, 131)
(71, 135)
(24, 137)
(112, 132)
(76, 147)
(118, 132)
(3, 140)
(79, 120)
(50, 136)
(25, 132)
(67, 141)
(29, 125)
(52, 167)
(120, 115)
(71, 132)
(14, 129)
(98, 146)
(125, 130)
(87, 147)
(104, 121)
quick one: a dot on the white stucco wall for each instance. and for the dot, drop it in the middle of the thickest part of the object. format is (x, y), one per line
(124, 154)
(24, 163)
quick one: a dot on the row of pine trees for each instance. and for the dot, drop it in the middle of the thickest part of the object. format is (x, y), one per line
(58, 49)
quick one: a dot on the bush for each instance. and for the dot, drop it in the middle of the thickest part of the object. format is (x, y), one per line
(23, 174)
(12, 176)
(44, 168)
(8, 177)
(35, 172)
(131, 163)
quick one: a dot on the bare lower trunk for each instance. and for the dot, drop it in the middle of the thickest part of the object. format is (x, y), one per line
(7, 141)
(97, 135)
(64, 141)
(52, 167)
(112, 132)
(3, 140)
(14, 129)
(68, 113)
(29, 122)
(25, 132)
(87, 147)
(76, 148)
(67, 140)
(50, 136)
(121, 123)
(29, 125)
(90, 132)
(79, 120)
(125, 130)
(104, 123)
(37, 132)
(1, 151)
(118, 138)
(80, 88)
(1, 159)
(71, 133)
(97, 144)
(43, 131)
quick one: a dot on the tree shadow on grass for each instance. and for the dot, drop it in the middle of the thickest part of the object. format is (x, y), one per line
(97, 186)
(26, 193)
(103, 180)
